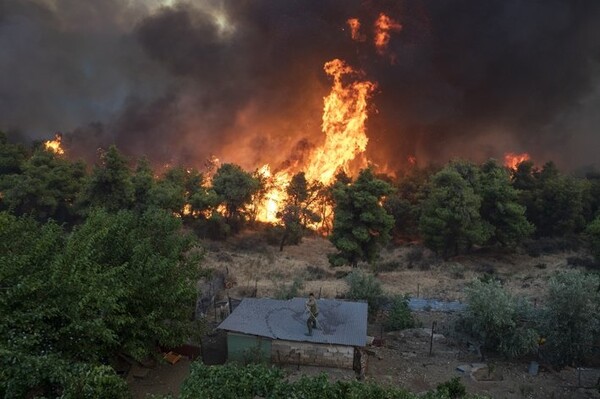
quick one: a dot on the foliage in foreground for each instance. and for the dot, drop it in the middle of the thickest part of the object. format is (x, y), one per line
(118, 283)
(233, 382)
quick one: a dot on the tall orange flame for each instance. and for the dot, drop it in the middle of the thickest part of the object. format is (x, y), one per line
(55, 145)
(344, 116)
(383, 26)
(343, 123)
(512, 160)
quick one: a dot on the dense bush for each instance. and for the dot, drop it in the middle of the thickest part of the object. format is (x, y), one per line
(400, 316)
(453, 388)
(315, 273)
(365, 286)
(551, 245)
(498, 320)
(289, 291)
(80, 297)
(232, 382)
(570, 320)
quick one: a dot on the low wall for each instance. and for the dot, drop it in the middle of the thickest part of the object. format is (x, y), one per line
(311, 354)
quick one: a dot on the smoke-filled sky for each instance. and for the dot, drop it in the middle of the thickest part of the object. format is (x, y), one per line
(243, 80)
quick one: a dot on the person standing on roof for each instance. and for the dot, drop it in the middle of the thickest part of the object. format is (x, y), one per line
(313, 312)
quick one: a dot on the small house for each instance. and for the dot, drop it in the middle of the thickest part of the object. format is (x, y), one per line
(276, 331)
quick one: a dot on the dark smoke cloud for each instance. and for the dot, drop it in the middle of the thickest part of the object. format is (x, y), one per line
(243, 80)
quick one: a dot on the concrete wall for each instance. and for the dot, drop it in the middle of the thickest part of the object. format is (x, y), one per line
(310, 354)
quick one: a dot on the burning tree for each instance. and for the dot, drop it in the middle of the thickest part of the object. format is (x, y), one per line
(235, 189)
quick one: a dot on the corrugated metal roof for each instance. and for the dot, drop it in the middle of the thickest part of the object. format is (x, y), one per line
(339, 322)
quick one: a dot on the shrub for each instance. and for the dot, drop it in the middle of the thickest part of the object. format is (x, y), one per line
(453, 388)
(388, 266)
(274, 234)
(586, 262)
(498, 320)
(233, 382)
(570, 320)
(400, 316)
(551, 245)
(214, 228)
(415, 255)
(290, 291)
(315, 273)
(365, 286)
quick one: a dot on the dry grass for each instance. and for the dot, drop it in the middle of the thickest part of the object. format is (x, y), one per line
(254, 264)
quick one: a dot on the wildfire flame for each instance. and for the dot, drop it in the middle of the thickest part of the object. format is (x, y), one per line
(344, 116)
(343, 123)
(55, 145)
(354, 25)
(383, 26)
(512, 160)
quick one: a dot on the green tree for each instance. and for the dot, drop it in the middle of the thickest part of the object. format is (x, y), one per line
(143, 183)
(405, 203)
(592, 195)
(46, 187)
(498, 320)
(80, 298)
(593, 237)
(570, 320)
(235, 189)
(558, 206)
(500, 207)
(554, 203)
(124, 258)
(400, 316)
(297, 211)
(361, 224)
(181, 191)
(450, 221)
(12, 156)
(109, 186)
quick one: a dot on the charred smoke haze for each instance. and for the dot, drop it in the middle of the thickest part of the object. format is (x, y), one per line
(244, 80)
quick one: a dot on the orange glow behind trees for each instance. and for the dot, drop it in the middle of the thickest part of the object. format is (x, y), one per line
(512, 160)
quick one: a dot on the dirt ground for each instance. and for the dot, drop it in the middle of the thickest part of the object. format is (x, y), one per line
(404, 360)
(164, 379)
(251, 266)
